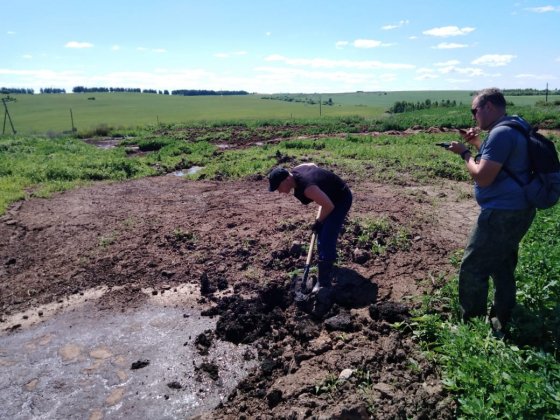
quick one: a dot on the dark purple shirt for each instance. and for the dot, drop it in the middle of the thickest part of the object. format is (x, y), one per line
(332, 185)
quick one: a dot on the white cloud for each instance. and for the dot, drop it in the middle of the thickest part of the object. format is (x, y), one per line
(469, 71)
(447, 63)
(79, 45)
(458, 80)
(347, 64)
(449, 46)
(450, 67)
(27, 56)
(41, 78)
(275, 79)
(116, 47)
(557, 59)
(399, 25)
(366, 43)
(268, 33)
(11, 33)
(341, 44)
(535, 76)
(159, 50)
(426, 76)
(494, 60)
(446, 31)
(544, 9)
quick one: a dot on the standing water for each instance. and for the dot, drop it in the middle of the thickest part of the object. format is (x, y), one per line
(104, 364)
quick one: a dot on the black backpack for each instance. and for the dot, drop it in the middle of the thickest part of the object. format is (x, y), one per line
(543, 189)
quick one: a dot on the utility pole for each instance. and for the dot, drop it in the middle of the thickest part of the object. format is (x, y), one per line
(7, 114)
(546, 94)
(72, 120)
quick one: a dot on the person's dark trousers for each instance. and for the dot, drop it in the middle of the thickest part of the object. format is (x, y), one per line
(492, 252)
(332, 225)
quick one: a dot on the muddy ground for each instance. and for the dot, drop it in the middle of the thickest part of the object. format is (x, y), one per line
(241, 245)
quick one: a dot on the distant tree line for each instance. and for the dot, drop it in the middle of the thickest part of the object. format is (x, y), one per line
(197, 92)
(52, 90)
(83, 89)
(529, 92)
(7, 91)
(403, 106)
(296, 98)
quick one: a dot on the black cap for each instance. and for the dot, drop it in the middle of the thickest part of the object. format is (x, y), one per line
(276, 177)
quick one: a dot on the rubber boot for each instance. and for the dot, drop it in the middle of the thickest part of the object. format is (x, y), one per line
(325, 273)
(323, 290)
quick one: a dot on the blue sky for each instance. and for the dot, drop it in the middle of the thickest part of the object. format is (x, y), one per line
(267, 46)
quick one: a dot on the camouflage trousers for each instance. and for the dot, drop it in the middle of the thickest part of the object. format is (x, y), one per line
(492, 251)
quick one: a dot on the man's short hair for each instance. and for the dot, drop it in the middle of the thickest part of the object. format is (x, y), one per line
(492, 95)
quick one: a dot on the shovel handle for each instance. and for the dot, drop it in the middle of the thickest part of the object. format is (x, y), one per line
(312, 244)
(310, 252)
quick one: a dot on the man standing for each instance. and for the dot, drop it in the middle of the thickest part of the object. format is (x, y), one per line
(505, 214)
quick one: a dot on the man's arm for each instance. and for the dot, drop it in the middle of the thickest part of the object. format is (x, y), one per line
(313, 192)
(483, 173)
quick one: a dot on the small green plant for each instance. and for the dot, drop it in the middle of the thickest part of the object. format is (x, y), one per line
(184, 236)
(105, 241)
(328, 386)
(129, 222)
(365, 384)
(363, 378)
(380, 235)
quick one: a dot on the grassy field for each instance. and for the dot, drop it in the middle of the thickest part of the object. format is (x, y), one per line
(488, 378)
(32, 114)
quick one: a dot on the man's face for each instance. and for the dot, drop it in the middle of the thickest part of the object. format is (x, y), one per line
(285, 186)
(482, 113)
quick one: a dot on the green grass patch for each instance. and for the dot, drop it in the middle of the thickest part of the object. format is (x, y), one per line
(518, 377)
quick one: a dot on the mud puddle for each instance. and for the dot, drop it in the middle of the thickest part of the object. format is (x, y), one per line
(158, 360)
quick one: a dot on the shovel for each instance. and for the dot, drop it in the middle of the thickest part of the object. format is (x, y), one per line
(307, 287)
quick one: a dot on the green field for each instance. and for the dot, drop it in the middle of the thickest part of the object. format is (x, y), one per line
(32, 114)
(488, 378)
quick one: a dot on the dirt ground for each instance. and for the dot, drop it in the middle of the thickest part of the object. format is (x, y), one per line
(236, 238)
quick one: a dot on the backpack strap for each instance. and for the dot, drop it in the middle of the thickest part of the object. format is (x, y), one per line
(518, 127)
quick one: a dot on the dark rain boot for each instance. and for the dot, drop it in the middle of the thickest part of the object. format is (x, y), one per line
(323, 290)
(325, 273)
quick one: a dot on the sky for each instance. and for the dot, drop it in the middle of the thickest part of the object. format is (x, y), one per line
(280, 46)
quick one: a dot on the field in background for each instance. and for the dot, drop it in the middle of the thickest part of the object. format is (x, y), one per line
(52, 113)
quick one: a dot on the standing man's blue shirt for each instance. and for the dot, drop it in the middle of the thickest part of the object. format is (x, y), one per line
(507, 146)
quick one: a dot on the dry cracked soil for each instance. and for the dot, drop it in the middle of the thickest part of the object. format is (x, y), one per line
(239, 246)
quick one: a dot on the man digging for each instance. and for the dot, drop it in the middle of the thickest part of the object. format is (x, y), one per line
(311, 183)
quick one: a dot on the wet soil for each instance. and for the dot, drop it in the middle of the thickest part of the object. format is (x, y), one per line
(240, 246)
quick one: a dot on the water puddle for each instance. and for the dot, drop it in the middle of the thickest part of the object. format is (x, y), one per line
(105, 143)
(84, 362)
(191, 171)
